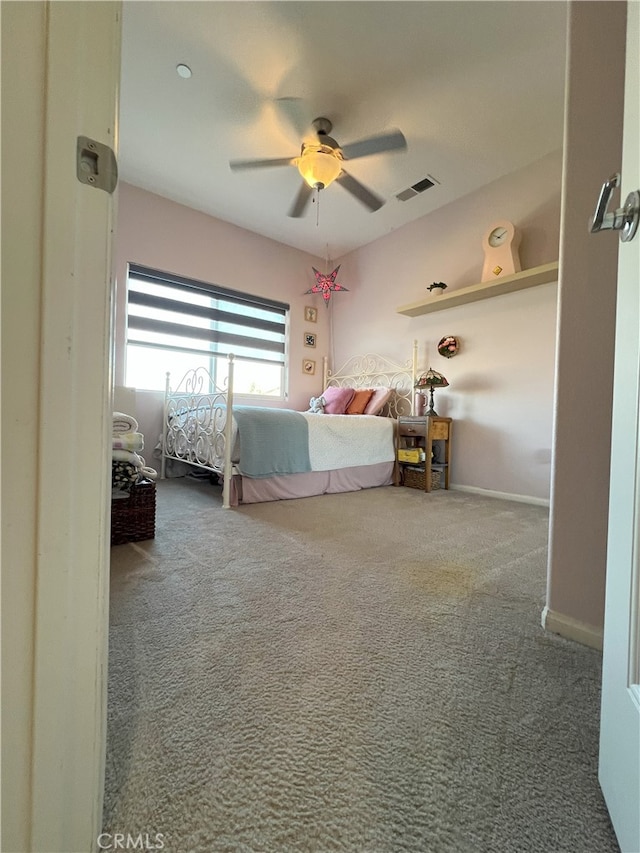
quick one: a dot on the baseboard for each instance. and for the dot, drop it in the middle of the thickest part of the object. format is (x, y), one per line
(503, 496)
(572, 629)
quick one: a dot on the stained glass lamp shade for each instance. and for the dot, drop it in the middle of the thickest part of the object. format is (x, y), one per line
(431, 379)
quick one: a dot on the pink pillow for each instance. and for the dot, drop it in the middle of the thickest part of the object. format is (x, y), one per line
(336, 400)
(378, 400)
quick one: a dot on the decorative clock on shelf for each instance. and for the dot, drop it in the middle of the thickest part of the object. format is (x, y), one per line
(500, 244)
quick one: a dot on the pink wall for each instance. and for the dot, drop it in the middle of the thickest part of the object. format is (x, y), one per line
(161, 234)
(501, 383)
(586, 330)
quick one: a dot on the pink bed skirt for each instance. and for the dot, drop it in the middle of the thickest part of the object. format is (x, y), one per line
(245, 490)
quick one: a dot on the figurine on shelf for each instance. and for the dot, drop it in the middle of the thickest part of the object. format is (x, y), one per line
(438, 286)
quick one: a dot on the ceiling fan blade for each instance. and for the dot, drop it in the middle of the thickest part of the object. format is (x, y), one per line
(301, 201)
(369, 199)
(295, 112)
(237, 165)
(392, 140)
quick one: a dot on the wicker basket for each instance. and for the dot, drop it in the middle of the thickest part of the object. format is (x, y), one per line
(414, 478)
(134, 518)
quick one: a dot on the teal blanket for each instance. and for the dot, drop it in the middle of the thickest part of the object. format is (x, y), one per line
(272, 441)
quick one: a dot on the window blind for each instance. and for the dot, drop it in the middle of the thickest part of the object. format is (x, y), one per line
(171, 312)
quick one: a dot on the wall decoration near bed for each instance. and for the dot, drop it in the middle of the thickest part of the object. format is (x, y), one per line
(308, 366)
(326, 284)
(309, 339)
(265, 454)
(310, 314)
(449, 346)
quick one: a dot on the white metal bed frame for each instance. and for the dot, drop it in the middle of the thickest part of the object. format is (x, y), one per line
(371, 371)
(197, 431)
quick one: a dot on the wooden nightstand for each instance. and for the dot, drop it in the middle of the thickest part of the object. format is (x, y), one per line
(423, 452)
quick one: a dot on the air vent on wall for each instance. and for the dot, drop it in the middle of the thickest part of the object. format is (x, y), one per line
(417, 188)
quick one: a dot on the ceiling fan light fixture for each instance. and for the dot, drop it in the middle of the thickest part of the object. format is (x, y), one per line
(318, 168)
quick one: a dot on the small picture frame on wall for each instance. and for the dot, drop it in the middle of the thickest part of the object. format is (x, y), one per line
(308, 366)
(310, 314)
(309, 339)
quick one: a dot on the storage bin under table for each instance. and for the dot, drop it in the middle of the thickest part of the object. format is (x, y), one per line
(133, 518)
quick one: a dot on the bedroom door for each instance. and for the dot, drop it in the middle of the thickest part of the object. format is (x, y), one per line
(620, 720)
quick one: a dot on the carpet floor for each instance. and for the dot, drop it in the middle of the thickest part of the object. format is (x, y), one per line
(362, 672)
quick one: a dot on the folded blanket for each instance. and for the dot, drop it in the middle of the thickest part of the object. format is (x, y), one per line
(128, 456)
(123, 476)
(272, 441)
(124, 423)
(128, 441)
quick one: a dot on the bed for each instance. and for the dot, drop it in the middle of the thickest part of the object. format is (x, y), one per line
(264, 454)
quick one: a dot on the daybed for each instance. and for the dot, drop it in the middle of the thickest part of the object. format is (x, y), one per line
(265, 454)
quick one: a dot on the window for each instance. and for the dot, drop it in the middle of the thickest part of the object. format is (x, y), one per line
(175, 324)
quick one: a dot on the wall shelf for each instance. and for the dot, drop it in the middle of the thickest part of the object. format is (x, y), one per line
(508, 284)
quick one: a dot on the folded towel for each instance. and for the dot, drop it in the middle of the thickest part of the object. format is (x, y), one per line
(128, 456)
(128, 441)
(124, 423)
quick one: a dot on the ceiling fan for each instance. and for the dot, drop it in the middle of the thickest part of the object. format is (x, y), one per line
(320, 163)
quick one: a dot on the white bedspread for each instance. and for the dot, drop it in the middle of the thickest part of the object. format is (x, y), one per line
(335, 441)
(343, 441)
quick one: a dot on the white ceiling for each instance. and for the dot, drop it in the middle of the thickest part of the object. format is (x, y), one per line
(476, 87)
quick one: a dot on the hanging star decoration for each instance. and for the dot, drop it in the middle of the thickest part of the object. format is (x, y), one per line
(326, 284)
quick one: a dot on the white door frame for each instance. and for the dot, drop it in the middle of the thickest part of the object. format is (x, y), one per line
(73, 481)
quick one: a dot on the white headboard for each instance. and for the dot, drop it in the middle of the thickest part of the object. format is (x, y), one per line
(377, 371)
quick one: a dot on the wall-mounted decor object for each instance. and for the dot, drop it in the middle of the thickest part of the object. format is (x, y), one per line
(437, 287)
(449, 346)
(310, 314)
(308, 366)
(326, 284)
(309, 339)
(500, 244)
(431, 379)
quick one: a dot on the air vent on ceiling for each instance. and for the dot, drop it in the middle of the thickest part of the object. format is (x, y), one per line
(417, 188)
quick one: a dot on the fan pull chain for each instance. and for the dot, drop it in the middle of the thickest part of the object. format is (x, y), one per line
(317, 207)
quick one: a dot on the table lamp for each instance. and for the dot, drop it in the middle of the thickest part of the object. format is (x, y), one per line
(431, 379)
